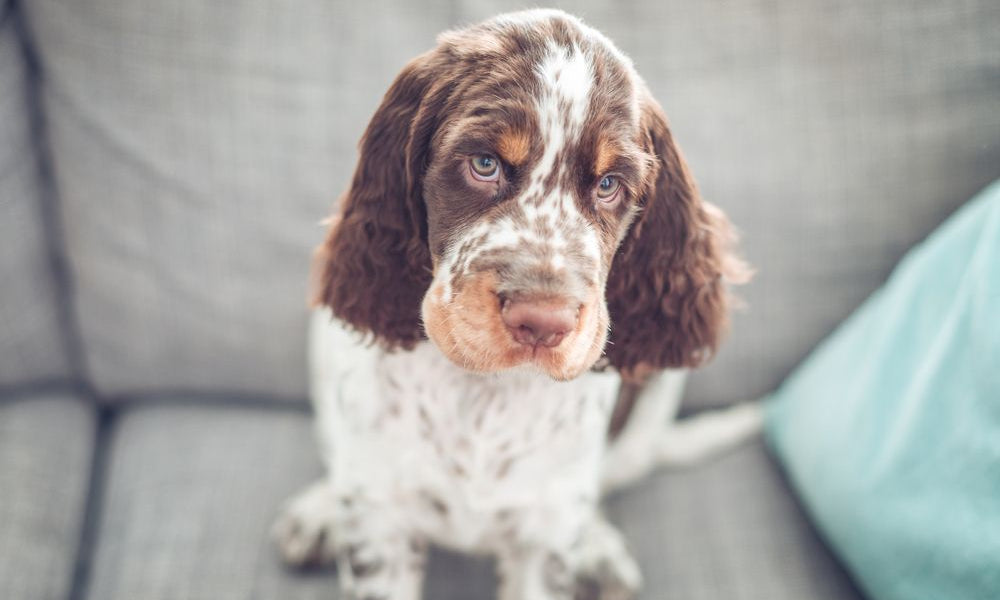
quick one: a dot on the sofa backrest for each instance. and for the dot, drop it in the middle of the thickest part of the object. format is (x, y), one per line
(33, 339)
(196, 146)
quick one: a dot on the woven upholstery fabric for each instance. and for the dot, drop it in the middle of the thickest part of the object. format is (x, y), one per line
(835, 135)
(189, 494)
(727, 529)
(196, 148)
(46, 443)
(31, 341)
(191, 491)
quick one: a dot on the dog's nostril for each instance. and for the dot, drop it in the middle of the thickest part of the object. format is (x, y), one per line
(539, 323)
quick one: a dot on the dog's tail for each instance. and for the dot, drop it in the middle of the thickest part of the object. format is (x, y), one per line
(653, 438)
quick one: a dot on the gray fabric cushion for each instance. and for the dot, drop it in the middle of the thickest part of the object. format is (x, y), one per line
(835, 136)
(727, 529)
(31, 346)
(191, 492)
(197, 146)
(46, 443)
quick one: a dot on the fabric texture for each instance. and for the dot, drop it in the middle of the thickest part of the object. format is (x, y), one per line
(891, 429)
(31, 341)
(46, 443)
(728, 529)
(196, 148)
(189, 496)
(217, 136)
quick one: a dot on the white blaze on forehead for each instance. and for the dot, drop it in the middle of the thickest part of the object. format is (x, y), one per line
(566, 79)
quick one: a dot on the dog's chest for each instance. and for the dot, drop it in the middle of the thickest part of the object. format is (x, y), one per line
(463, 449)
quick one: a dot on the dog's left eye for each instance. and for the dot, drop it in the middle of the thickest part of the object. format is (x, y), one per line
(485, 167)
(608, 188)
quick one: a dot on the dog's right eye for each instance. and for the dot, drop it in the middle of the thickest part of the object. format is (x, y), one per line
(485, 167)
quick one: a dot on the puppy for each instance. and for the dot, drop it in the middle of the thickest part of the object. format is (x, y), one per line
(517, 278)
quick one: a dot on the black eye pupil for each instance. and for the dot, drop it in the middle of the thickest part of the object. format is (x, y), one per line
(606, 182)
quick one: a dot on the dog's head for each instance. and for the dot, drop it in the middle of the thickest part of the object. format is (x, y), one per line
(520, 200)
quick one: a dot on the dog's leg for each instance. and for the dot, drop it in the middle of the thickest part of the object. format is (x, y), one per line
(652, 437)
(378, 557)
(532, 572)
(590, 564)
(633, 453)
(304, 531)
(535, 558)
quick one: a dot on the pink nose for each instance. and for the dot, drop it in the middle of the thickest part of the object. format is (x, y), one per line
(538, 323)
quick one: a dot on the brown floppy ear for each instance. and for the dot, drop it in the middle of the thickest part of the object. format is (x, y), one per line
(374, 266)
(666, 290)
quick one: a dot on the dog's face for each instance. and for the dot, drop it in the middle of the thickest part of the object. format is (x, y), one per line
(495, 208)
(532, 182)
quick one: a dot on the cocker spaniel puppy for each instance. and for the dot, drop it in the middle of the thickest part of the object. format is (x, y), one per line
(517, 278)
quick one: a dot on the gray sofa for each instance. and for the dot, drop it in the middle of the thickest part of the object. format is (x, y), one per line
(163, 167)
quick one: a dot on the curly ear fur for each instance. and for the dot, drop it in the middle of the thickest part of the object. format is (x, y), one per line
(666, 290)
(375, 266)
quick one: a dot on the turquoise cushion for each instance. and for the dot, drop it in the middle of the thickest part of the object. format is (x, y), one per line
(890, 430)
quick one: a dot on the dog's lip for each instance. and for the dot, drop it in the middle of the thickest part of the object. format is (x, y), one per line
(541, 357)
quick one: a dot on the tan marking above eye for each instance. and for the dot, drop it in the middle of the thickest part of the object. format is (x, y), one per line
(606, 153)
(514, 147)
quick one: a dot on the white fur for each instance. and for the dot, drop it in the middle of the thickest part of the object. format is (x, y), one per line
(517, 460)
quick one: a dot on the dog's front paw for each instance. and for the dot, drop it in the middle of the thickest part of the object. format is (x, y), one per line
(304, 531)
(607, 570)
(615, 578)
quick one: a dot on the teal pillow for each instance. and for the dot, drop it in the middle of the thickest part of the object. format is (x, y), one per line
(890, 430)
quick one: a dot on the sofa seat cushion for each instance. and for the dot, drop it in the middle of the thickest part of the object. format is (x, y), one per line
(191, 491)
(189, 494)
(46, 446)
(727, 529)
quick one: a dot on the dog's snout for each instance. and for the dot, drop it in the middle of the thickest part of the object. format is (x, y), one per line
(539, 323)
